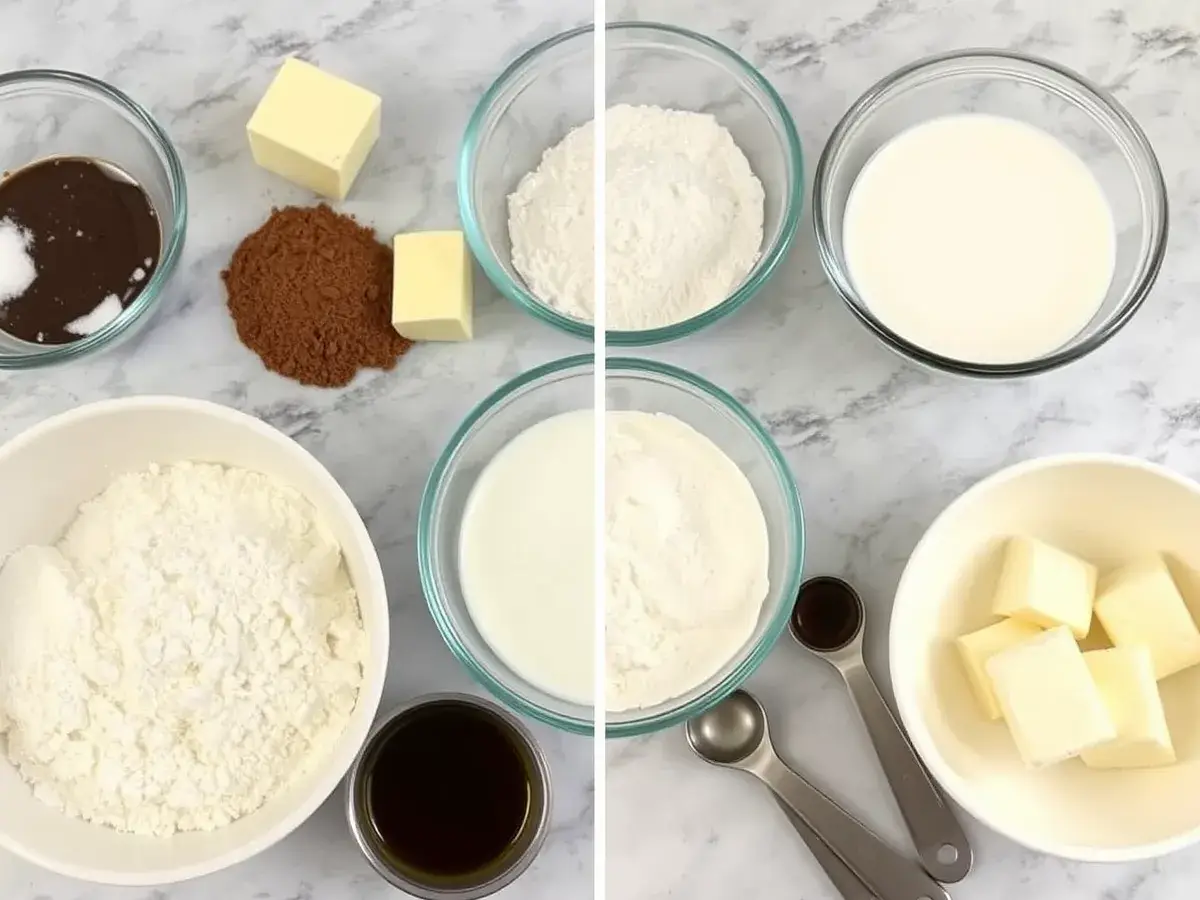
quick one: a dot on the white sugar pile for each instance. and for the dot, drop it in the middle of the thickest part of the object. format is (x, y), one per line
(17, 270)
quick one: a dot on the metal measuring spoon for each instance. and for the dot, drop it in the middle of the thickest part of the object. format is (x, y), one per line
(734, 734)
(849, 885)
(828, 620)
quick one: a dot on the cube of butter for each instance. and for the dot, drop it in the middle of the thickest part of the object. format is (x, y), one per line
(978, 647)
(1125, 676)
(1046, 586)
(314, 129)
(1052, 706)
(431, 289)
(1140, 604)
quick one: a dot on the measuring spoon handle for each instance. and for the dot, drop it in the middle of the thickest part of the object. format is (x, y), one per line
(841, 875)
(940, 841)
(888, 874)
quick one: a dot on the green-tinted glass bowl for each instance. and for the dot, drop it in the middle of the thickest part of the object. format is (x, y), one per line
(549, 90)
(640, 384)
(538, 394)
(48, 112)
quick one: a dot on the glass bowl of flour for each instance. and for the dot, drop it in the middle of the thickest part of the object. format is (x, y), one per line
(704, 182)
(988, 214)
(704, 545)
(540, 98)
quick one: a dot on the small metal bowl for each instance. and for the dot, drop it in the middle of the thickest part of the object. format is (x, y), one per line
(487, 881)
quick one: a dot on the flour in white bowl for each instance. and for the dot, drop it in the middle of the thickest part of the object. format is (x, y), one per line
(687, 557)
(683, 219)
(191, 646)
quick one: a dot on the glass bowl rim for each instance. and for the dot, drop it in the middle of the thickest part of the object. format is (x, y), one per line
(759, 275)
(717, 691)
(794, 567)
(94, 89)
(468, 154)
(987, 61)
(431, 498)
(793, 200)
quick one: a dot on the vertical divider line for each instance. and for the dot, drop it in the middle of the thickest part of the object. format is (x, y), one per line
(598, 395)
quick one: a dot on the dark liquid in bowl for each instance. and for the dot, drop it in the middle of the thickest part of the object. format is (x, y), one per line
(448, 791)
(94, 238)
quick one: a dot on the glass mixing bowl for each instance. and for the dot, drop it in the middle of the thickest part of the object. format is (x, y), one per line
(1086, 118)
(640, 384)
(549, 90)
(660, 65)
(538, 394)
(527, 110)
(46, 113)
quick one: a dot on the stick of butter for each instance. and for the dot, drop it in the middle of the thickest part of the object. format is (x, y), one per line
(1125, 676)
(314, 129)
(1049, 700)
(1140, 604)
(431, 289)
(978, 647)
(1045, 586)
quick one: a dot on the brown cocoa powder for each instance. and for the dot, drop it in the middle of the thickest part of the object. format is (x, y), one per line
(310, 292)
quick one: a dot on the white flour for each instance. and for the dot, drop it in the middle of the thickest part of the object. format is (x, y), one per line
(191, 645)
(683, 219)
(687, 558)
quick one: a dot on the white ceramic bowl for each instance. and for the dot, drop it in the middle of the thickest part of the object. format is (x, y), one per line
(45, 473)
(1107, 509)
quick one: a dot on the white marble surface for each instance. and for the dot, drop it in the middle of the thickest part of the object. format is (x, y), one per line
(879, 448)
(201, 67)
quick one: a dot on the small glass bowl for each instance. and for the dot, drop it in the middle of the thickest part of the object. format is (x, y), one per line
(660, 65)
(46, 113)
(640, 384)
(1086, 118)
(548, 91)
(532, 105)
(542, 392)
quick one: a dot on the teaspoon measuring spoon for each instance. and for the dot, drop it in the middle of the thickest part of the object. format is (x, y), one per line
(828, 620)
(849, 885)
(734, 734)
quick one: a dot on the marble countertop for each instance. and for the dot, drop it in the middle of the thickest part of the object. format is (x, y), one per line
(200, 68)
(878, 448)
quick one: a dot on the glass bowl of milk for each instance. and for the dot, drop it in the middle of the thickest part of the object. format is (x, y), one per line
(988, 214)
(506, 543)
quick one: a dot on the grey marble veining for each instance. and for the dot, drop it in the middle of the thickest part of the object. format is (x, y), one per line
(200, 68)
(879, 448)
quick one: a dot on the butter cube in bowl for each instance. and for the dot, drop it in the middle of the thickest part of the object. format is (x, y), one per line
(1045, 659)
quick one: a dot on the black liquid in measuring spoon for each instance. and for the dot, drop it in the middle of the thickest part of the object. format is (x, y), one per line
(449, 791)
(94, 240)
(828, 614)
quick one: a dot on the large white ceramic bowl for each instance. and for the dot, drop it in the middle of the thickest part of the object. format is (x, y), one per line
(1107, 509)
(45, 473)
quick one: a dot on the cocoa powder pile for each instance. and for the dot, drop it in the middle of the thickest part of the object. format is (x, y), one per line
(310, 292)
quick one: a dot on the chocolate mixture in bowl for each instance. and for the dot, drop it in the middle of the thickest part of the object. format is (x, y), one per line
(79, 240)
